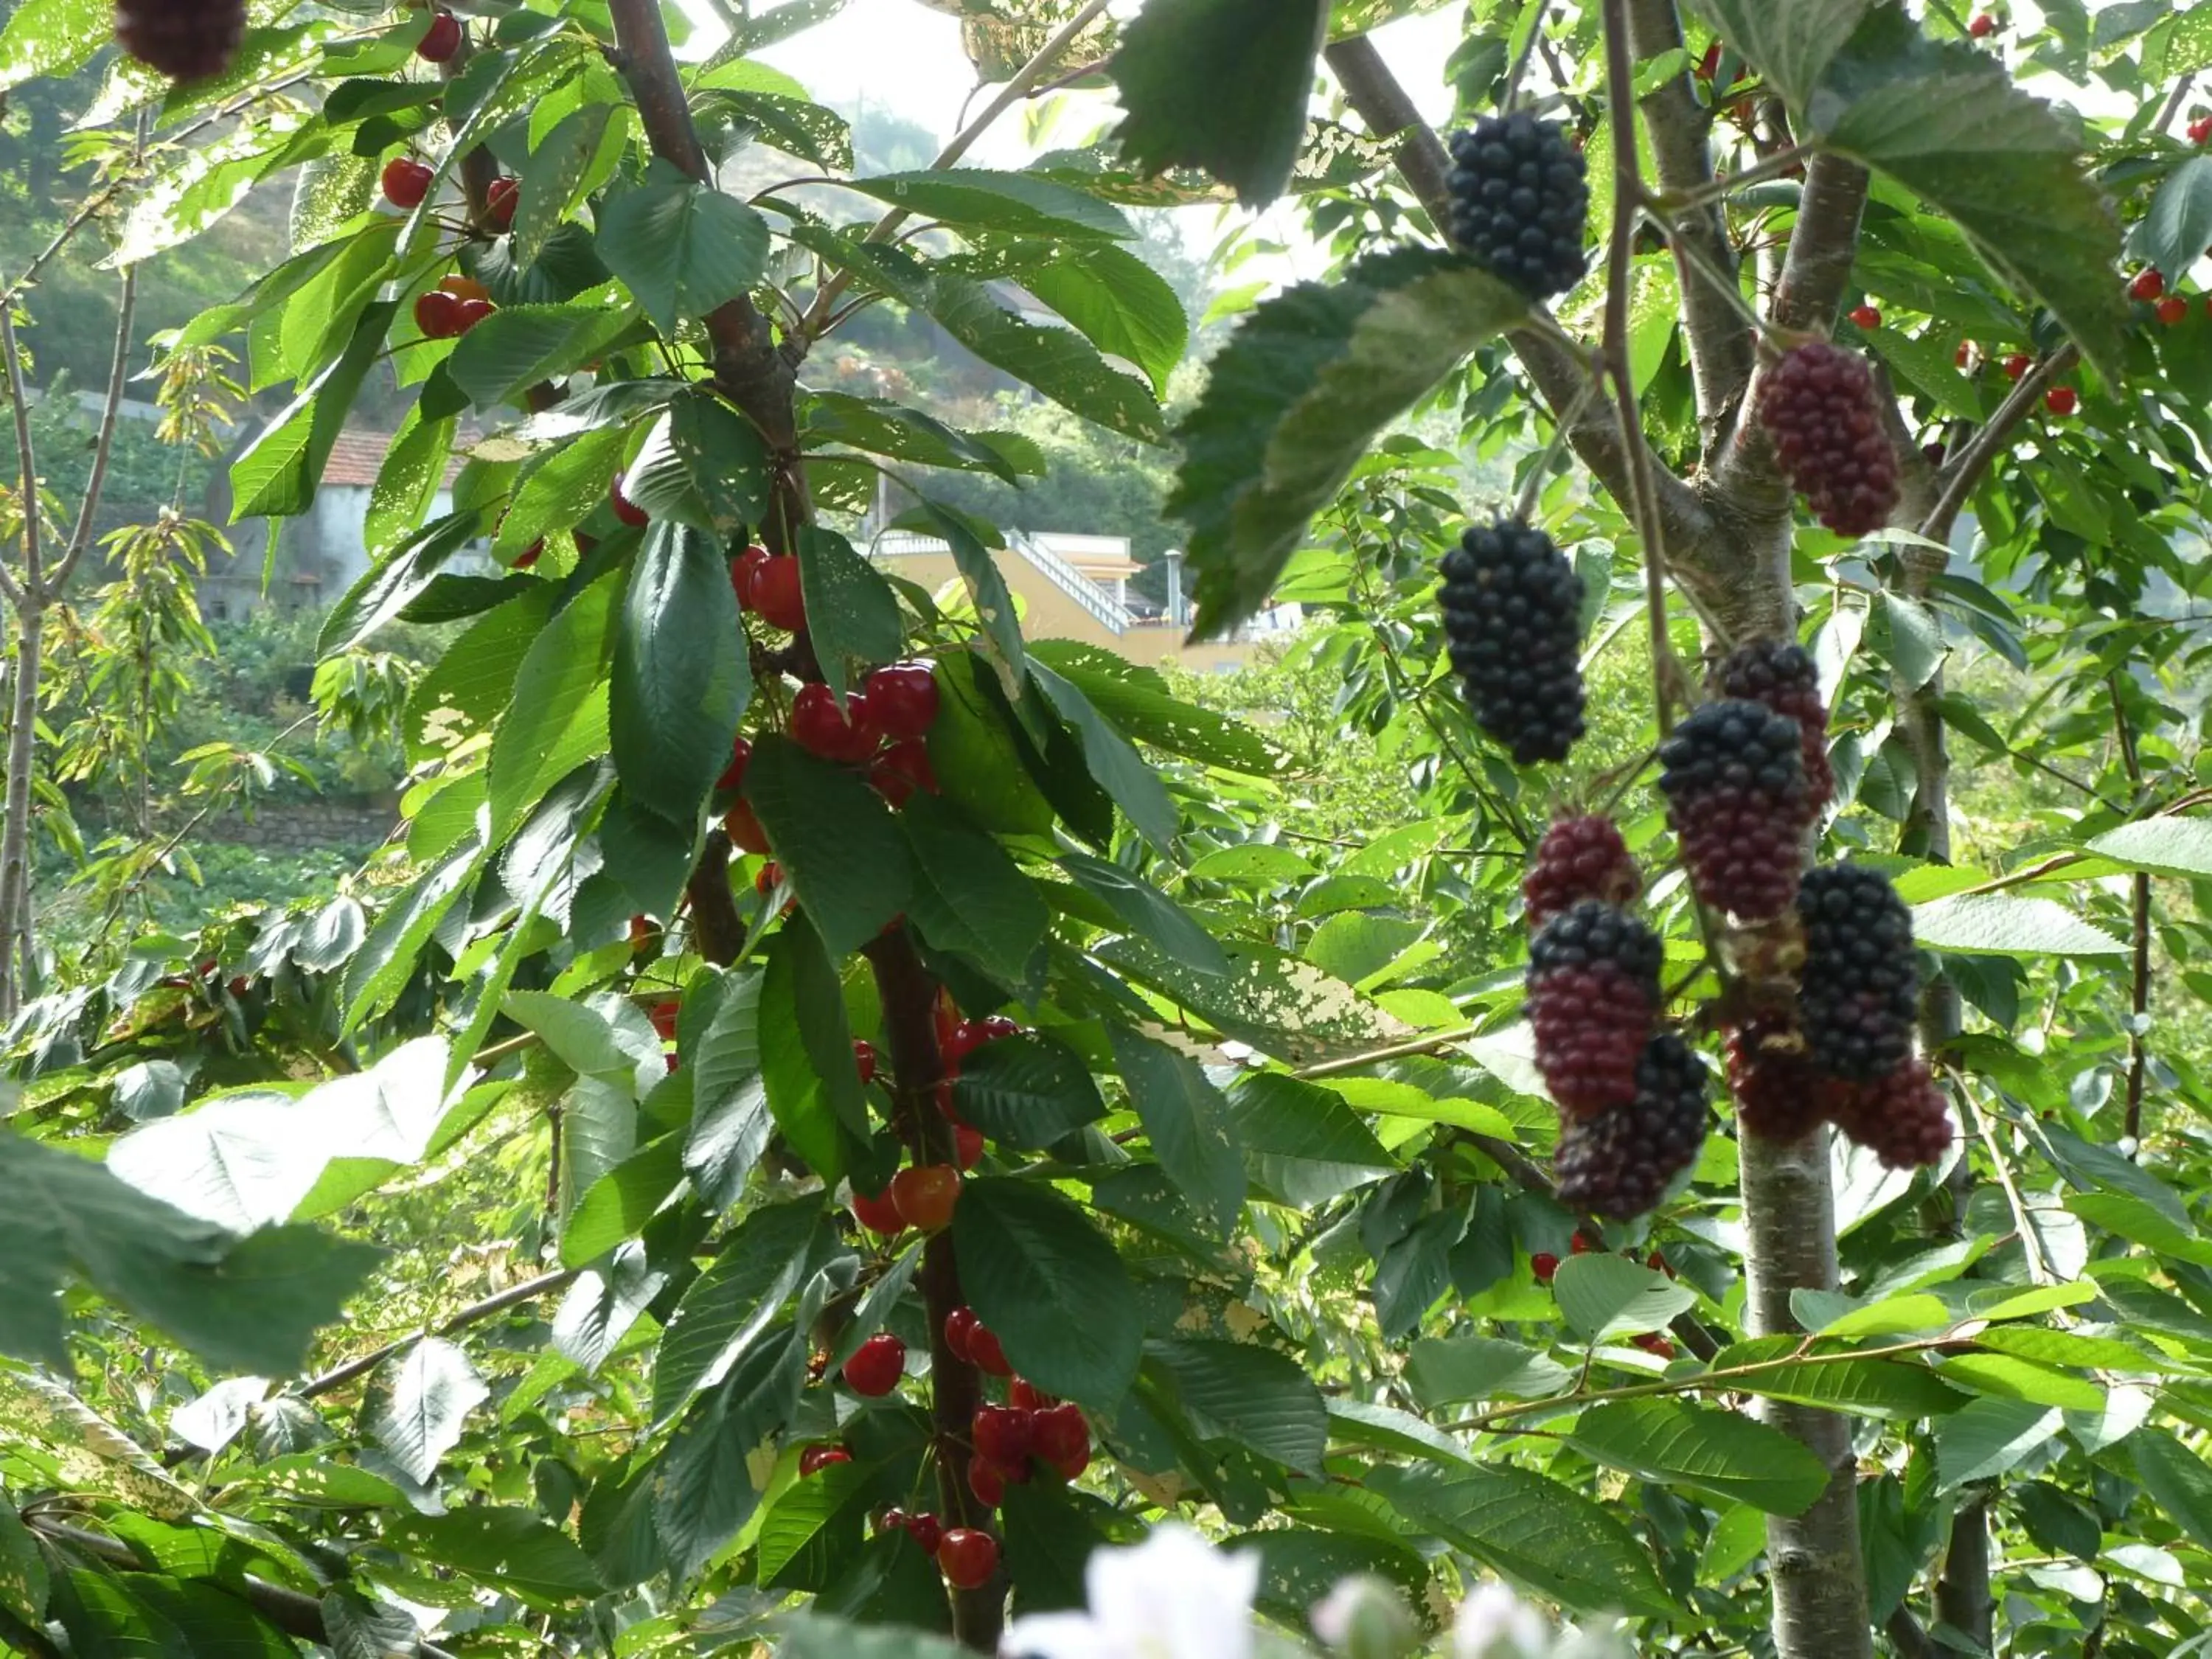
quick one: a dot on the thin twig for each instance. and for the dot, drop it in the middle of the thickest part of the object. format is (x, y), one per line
(103, 452)
(1963, 472)
(1512, 92)
(529, 1290)
(2138, 1048)
(26, 460)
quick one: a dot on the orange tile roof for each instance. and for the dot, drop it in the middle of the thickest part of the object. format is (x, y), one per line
(357, 456)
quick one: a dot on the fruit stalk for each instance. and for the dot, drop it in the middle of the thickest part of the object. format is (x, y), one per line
(908, 995)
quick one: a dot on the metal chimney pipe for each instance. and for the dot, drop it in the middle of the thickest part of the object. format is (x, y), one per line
(1177, 615)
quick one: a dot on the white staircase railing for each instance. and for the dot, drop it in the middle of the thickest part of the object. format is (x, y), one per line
(1110, 613)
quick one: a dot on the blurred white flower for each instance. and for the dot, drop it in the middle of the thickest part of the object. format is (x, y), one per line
(1173, 1597)
(1496, 1624)
(1365, 1618)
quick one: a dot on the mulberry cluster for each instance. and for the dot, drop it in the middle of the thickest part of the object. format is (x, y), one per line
(1593, 995)
(1512, 612)
(1579, 859)
(1520, 202)
(1733, 776)
(1818, 405)
(185, 40)
(1860, 986)
(1618, 1162)
(1780, 674)
(1779, 1094)
(1900, 1117)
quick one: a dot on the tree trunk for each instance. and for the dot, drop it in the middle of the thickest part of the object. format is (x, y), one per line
(16, 838)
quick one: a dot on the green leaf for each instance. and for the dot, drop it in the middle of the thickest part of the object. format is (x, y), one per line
(810, 1636)
(2163, 845)
(209, 1618)
(1028, 1090)
(682, 247)
(1221, 85)
(408, 483)
(730, 1117)
(276, 475)
(1120, 304)
(2013, 1378)
(602, 1305)
(1947, 122)
(1120, 770)
(554, 177)
(1298, 397)
(702, 1486)
(1987, 1437)
(1865, 1388)
(1914, 639)
(519, 346)
(1303, 1143)
(798, 1092)
(1287, 1009)
(1057, 361)
(1255, 1396)
(619, 1203)
(682, 674)
(2003, 924)
(1019, 203)
(1790, 41)
(389, 586)
(760, 1265)
(1728, 1456)
(24, 1576)
(1605, 1295)
(1147, 912)
(54, 37)
(841, 848)
(1533, 1530)
(561, 490)
(852, 614)
(387, 960)
(419, 1404)
(2177, 1479)
(1299, 1566)
(978, 901)
(1189, 1124)
(814, 1526)
(1051, 1288)
(1448, 1370)
(703, 464)
(987, 592)
(509, 1549)
(578, 1037)
(558, 719)
(2177, 227)
(1138, 703)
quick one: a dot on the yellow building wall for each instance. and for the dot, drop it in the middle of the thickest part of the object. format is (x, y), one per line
(1047, 612)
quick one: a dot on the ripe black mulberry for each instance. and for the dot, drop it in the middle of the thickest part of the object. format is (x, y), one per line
(1512, 612)
(1818, 405)
(1733, 776)
(1859, 991)
(1779, 1094)
(1618, 1162)
(1593, 995)
(1900, 1117)
(185, 40)
(1780, 674)
(1520, 202)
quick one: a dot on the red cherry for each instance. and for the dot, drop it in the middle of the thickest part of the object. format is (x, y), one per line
(500, 202)
(2062, 400)
(968, 1146)
(674, 1060)
(2147, 285)
(406, 183)
(864, 1058)
(1062, 1439)
(815, 1459)
(2017, 365)
(905, 699)
(1583, 1244)
(474, 311)
(443, 40)
(775, 594)
(926, 1195)
(1933, 454)
(902, 770)
(960, 1327)
(734, 774)
(987, 1483)
(925, 1530)
(1964, 354)
(625, 510)
(1652, 1342)
(1544, 1264)
(1659, 1264)
(1866, 317)
(664, 1016)
(1710, 64)
(2172, 309)
(967, 1558)
(1004, 1436)
(2200, 130)
(945, 1106)
(437, 315)
(744, 570)
(1983, 26)
(1025, 1394)
(817, 724)
(988, 1357)
(944, 1016)
(744, 830)
(766, 878)
(969, 1034)
(879, 1214)
(875, 1371)
(530, 555)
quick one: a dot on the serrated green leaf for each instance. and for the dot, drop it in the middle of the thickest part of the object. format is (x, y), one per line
(1018, 204)
(852, 614)
(681, 246)
(1988, 1436)
(1729, 1455)
(682, 676)
(1260, 1399)
(1604, 1295)
(1113, 760)
(2005, 925)
(2177, 227)
(419, 1403)
(1790, 41)
(1147, 912)
(1050, 1287)
(991, 910)
(1189, 1124)
(755, 1274)
(557, 719)
(838, 844)
(509, 1549)
(2163, 845)
(1026, 1091)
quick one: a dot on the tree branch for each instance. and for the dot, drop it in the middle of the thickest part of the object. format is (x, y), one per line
(715, 922)
(2138, 1048)
(103, 451)
(1721, 346)
(17, 590)
(475, 1313)
(1962, 472)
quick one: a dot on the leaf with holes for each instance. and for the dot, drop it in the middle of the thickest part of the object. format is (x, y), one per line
(420, 1404)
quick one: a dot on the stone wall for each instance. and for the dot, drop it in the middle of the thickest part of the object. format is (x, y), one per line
(305, 827)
